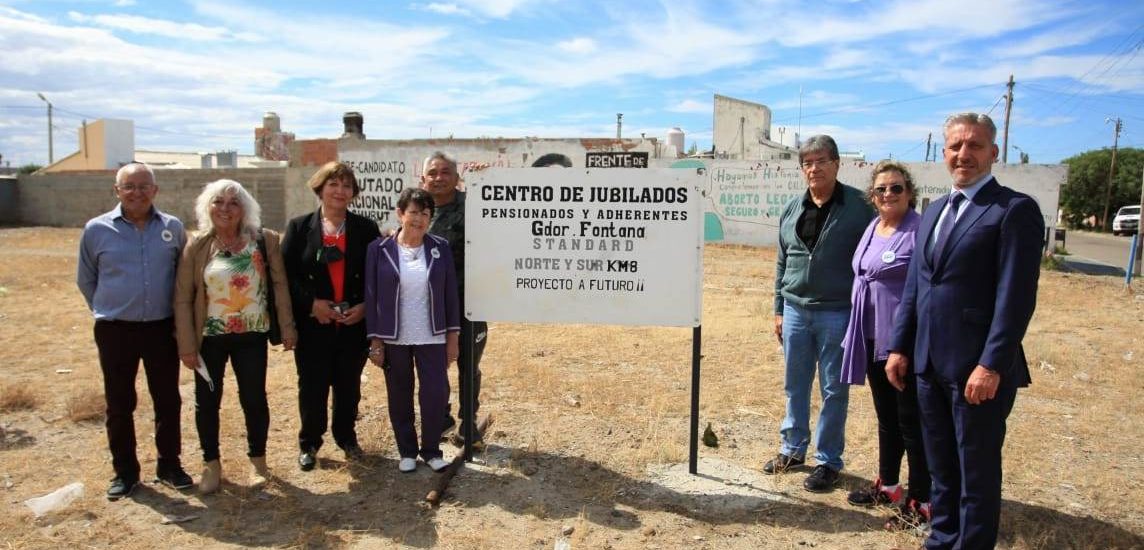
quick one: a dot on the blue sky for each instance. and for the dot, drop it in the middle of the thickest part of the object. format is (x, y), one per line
(878, 76)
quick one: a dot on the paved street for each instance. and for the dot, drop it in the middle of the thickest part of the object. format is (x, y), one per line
(1097, 253)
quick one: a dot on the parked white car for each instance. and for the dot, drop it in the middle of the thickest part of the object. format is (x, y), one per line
(1127, 221)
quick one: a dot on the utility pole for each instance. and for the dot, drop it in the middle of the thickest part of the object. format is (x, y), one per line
(51, 152)
(929, 139)
(619, 124)
(1139, 235)
(1111, 170)
(1008, 110)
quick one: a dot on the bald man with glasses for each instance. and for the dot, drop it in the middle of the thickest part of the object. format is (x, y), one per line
(127, 263)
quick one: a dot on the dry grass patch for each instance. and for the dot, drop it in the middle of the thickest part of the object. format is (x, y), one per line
(583, 414)
(18, 398)
(86, 406)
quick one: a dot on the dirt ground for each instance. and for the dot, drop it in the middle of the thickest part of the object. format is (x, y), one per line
(589, 444)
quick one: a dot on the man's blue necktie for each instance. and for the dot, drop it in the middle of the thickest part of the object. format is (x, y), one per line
(946, 227)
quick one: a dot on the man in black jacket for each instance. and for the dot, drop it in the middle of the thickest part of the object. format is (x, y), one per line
(440, 178)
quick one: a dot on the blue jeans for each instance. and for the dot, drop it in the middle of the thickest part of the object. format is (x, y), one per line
(814, 338)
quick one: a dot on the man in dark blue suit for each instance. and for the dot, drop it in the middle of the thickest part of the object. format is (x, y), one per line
(968, 299)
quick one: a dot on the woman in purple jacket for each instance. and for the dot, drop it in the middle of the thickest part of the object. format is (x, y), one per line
(880, 265)
(413, 318)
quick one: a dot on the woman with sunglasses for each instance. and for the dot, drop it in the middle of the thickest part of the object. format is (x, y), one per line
(880, 264)
(325, 264)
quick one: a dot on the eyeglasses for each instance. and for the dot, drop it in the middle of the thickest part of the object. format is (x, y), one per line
(131, 188)
(815, 164)
(896, 189)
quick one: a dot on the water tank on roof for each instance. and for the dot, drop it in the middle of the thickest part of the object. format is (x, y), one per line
(227, 159)
(675, 139)
(271, 122)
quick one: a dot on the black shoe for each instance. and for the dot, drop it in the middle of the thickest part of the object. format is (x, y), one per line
(308, 460)
(781, 463)
(121, 488)
(821, 480)
(354, 453)
(875, 495)
(448, 426)
(175, 477)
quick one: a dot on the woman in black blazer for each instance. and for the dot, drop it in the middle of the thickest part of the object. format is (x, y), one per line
(324, 252)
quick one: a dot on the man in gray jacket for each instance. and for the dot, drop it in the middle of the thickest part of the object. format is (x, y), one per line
(818, 233)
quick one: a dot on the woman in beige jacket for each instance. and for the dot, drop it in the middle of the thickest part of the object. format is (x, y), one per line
(223, 296)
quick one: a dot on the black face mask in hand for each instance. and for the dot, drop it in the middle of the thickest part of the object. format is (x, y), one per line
(329, 254)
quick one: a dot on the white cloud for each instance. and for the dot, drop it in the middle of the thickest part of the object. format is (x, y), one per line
(538, 67)
(1042, 122)
(124, 3)
(447, 9)
(931, 17)
(691, 106)
(1055, 39)
(578, 45)
(815, 98)
(494, 8)
(680, 43)
(160, 27)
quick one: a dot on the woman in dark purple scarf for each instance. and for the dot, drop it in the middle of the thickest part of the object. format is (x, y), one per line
(880, 265)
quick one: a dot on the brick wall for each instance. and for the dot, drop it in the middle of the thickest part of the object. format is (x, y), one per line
(69, 200)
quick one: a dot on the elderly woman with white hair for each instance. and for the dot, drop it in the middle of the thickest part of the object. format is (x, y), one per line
(231, 297)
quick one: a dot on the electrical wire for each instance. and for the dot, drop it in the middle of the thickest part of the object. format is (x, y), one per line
(157, 130)
(1079, 83)
(886, 103)
(911, 149)
(995, 104)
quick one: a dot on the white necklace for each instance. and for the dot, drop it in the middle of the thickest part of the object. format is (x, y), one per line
(337, 231)
(412, 252)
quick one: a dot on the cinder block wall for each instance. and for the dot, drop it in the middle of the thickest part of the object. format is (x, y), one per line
(70, 199)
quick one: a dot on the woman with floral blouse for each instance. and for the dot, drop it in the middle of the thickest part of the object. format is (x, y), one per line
(222, 311)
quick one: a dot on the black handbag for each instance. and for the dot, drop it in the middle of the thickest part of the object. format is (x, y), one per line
(275, 333)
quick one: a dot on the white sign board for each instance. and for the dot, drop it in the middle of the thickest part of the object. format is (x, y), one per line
(381, 177)
(616, 247)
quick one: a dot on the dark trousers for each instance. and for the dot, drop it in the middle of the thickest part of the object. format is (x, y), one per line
(122, 344)
(432, 396)
(476, 351)
(247, 354)
(324, 366)
(963, 445)
(899, 430)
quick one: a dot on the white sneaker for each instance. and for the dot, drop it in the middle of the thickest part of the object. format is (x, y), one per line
(438, 464)
(407, 465)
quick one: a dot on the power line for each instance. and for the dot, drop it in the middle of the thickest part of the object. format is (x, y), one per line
(892, 102)
(995, 104)
(157, 130)
(1091, 97)
(911, 149)
(1079, 82)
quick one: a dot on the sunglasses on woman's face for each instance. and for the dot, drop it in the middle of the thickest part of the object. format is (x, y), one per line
(896, 189)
